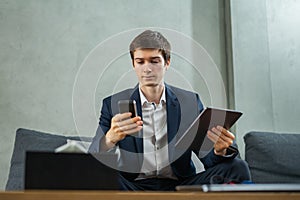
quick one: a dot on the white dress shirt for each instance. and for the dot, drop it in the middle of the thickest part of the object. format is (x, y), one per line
(155, 139)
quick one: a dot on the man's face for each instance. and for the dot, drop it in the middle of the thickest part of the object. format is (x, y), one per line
(150, 67)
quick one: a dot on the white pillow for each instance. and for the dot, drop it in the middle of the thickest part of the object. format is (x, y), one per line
(74, 146)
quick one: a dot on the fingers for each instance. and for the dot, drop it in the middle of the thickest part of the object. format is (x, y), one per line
(125, 123)
(125, 127)
(132, 130)
(226, 132)
(221, 138)
(121, 117)
(222, 133)
(122, 125)
(212, 136)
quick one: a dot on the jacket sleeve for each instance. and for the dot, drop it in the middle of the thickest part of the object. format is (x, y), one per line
(211, 159)
(104, 125)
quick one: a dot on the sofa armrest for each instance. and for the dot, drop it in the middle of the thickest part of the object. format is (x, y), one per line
(273, 157)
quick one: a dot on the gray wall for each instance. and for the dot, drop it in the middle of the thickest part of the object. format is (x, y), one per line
(43, 44)
(266, 49)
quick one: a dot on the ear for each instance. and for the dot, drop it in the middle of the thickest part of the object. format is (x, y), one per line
(167, 64)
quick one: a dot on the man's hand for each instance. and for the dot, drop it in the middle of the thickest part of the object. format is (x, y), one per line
(221, 138)
(122, 125)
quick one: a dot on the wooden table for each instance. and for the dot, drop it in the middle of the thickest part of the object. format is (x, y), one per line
(116, 195)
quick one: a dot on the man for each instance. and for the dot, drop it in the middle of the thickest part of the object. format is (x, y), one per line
(149, 159)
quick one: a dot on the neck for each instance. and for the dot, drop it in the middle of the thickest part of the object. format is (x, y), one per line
(153, 94)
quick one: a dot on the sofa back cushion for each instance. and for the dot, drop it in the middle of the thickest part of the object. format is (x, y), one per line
(273, 157)
(29, 140)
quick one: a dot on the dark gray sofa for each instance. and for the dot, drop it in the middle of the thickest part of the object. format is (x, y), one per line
(272, 158)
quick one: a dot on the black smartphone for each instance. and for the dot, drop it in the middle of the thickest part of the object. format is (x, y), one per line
(127, 106)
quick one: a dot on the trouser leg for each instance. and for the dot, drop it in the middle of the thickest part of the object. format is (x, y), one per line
(151, 184)
(232, 170)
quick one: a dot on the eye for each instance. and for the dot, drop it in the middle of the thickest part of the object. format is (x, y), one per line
(155, 61)
(140, 62)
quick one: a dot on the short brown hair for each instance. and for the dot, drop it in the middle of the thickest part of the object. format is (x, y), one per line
(151, 40)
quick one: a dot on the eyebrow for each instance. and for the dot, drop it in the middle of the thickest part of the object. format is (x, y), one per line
(154, 57)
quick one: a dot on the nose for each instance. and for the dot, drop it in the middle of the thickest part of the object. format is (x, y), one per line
(147, 68)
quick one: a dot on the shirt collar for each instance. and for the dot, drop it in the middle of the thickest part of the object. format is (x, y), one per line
(144, 100)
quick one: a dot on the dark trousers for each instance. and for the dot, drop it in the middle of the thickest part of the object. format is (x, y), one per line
(235, 170)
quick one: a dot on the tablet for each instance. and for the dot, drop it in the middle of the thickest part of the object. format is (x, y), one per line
(195, 136)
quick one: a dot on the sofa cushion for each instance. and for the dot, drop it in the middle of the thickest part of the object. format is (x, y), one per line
(29, 140)
(273, 157)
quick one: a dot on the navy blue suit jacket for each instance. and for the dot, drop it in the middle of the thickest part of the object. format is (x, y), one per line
(182, 108)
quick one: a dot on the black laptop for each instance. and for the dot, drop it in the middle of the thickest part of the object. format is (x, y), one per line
(68, 171)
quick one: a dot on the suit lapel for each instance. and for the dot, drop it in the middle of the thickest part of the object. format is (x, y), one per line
(139, 139)
(173, 120)
(173, 113)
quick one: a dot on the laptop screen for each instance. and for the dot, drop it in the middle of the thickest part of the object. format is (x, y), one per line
(49, 170)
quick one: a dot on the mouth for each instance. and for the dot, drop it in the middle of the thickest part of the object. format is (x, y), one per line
(148, 77)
